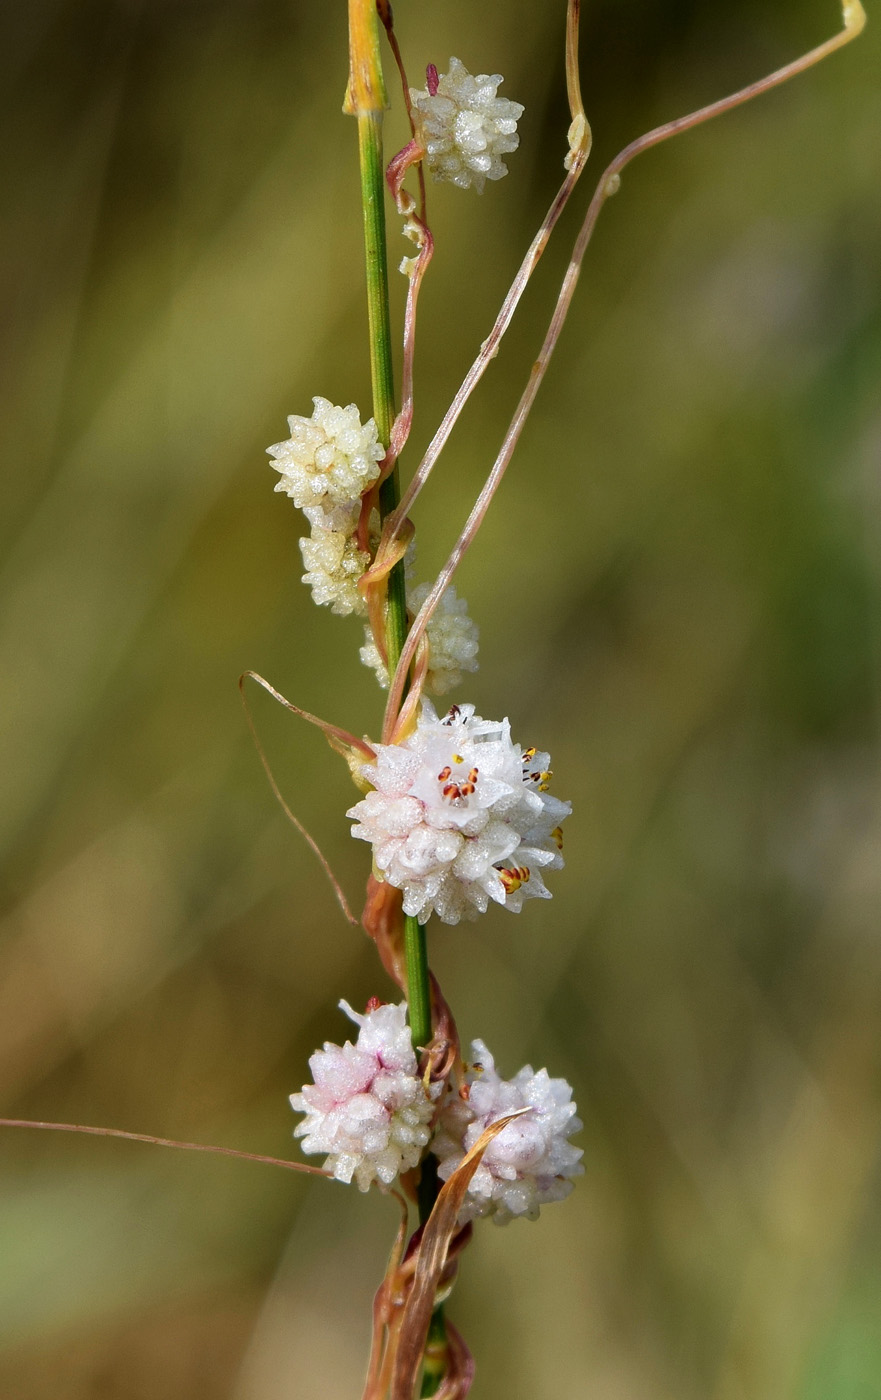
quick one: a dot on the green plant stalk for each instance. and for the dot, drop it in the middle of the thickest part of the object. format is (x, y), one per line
(418, 990)
(435, 1364)
(382, 378)
(366, 100)
(381, 367)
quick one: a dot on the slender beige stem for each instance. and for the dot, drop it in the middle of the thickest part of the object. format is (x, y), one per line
(579, 150)
(166, 1142)
(609, 183)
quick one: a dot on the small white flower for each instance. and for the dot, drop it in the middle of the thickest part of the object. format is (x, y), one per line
(452, 641)
(367, 1109)
(464, 127)
(460, 815)
(531, 1162)
(329, 459)
(334, 564)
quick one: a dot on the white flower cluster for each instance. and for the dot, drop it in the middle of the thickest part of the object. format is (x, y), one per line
(460, 815)
(531, 1162)
(452, 642)
(367, 1109)
(464, 127)
(326, 465)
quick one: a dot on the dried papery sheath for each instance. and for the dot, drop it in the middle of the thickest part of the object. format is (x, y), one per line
(464, 127)
(460, 815)
(452, 642)
(531, 1162)
(329, 459)
(367, 1108)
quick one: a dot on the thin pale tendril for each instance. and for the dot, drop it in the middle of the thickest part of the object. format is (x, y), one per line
(332, 732)
(167, 1142)
(489, 349)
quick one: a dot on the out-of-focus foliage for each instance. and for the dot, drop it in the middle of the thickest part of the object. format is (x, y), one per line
(678, 595)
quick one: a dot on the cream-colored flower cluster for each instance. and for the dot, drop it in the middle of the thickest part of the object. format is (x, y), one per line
(465, 127)
(326, 465)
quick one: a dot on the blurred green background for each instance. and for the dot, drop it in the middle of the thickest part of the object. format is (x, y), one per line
(678, 593)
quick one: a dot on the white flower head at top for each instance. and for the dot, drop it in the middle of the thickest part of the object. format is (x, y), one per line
(464, 126)
(452, 642)
(367, 1109)
(460, 815)
(530, 1162)
(329, 459)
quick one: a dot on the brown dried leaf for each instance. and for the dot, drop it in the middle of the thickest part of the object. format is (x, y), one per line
(383, 921)
(447, 1051)
(430, 1260)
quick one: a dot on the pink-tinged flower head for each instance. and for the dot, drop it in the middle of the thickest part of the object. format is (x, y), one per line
(460, 815)
(367, 1107)
(531, 1162)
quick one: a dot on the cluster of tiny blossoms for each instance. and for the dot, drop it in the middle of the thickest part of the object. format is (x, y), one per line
(373, 1116)
(325, 466)
(456, 813)
(464, 127)
(367, 1108)
(530, 1162)
(460, 815)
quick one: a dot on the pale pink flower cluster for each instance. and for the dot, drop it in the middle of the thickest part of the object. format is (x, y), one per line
(465, 127)
(326, 465)
(367, 1108)
(459, 815)
(371, 1116)
(531, 1162)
